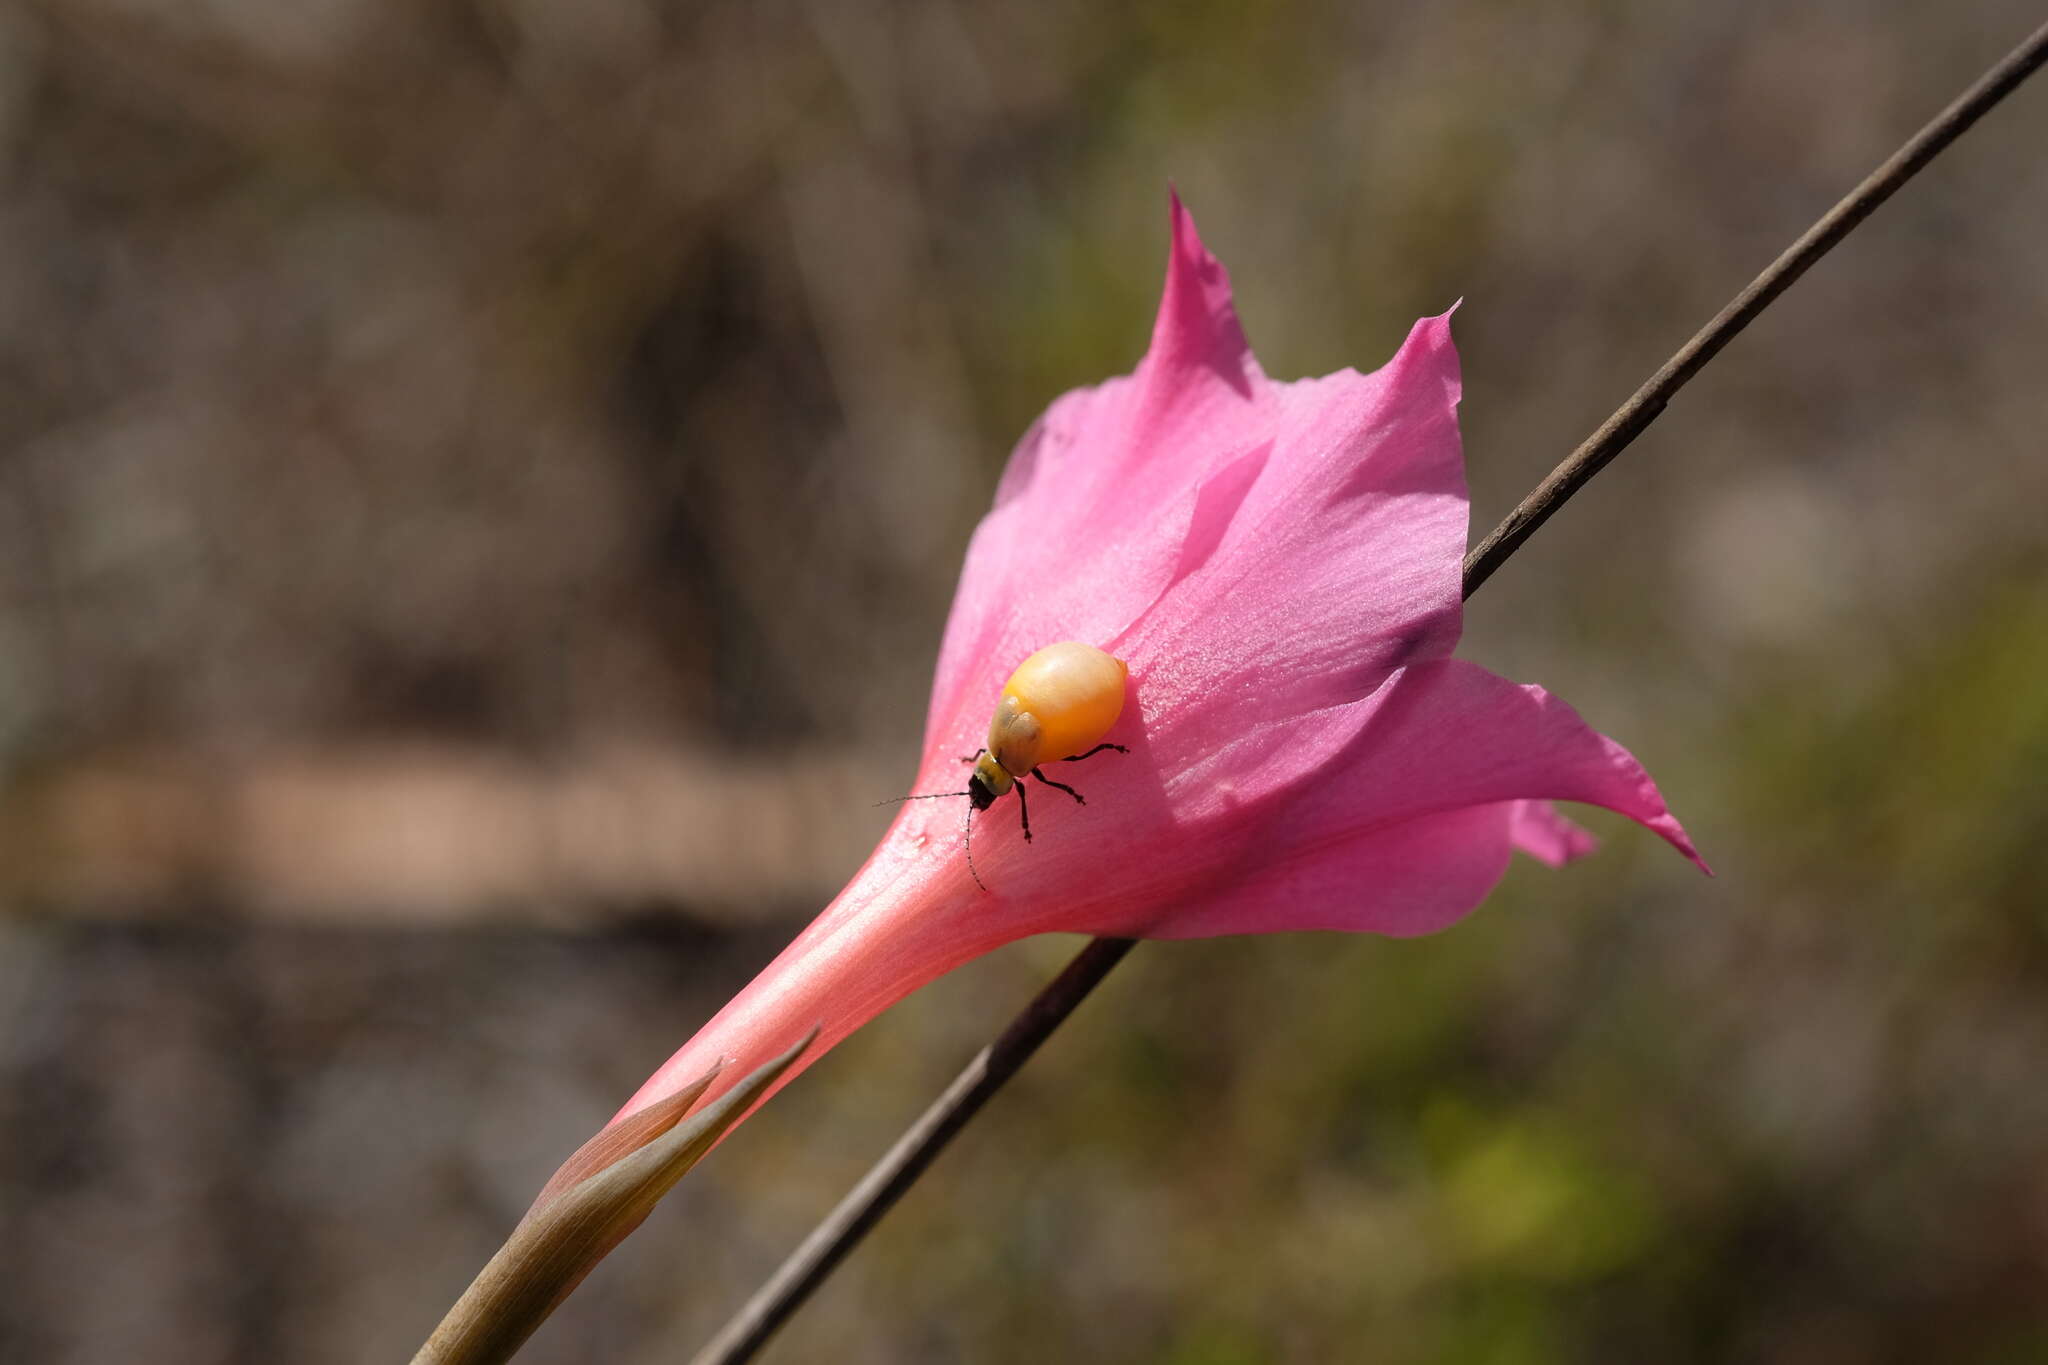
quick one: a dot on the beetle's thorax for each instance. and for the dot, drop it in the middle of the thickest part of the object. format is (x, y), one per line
(1015, 739)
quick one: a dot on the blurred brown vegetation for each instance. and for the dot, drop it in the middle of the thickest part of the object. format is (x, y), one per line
(480, 483)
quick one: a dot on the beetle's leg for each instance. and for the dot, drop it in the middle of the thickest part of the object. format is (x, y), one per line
(1076, 758)
(976, 754)
(1023, 812)
(1039, 773)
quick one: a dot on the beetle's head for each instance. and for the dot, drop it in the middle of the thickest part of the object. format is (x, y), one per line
(988, 782)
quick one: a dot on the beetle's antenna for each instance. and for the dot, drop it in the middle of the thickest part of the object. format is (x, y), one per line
(966, 825)
(967, 839)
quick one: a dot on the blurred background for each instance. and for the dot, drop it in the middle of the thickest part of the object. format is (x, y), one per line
(480, 486)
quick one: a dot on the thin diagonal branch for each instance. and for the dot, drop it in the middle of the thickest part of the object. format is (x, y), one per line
(899, 1168)
(829, 1243)
(1642, 408)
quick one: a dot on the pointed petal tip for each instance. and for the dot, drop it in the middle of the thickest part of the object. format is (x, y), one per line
(1197, 325)
(1193, 274)
(1186, 238)
(1648, 807)
(1662, 822)
(1431, 348)
(1655, 816)
(1674, 834)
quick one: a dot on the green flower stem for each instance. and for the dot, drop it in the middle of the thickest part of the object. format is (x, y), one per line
(562, 1238)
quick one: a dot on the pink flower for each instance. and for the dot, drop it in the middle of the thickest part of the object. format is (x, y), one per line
(1279, 566)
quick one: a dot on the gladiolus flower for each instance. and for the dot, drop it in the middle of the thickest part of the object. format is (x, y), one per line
(1279, 566)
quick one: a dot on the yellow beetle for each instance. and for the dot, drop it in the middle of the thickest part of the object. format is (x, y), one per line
(1056, 707)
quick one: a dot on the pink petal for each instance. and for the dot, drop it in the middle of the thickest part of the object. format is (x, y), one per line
(1459, 735)
(1403, 880)
(1215, 529)
(1196, 338)
(1428, 784)
(1100, 495)
(1342, 564)
(1542, 832)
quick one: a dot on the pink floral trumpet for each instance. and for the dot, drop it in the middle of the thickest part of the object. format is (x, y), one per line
(1278, 566)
